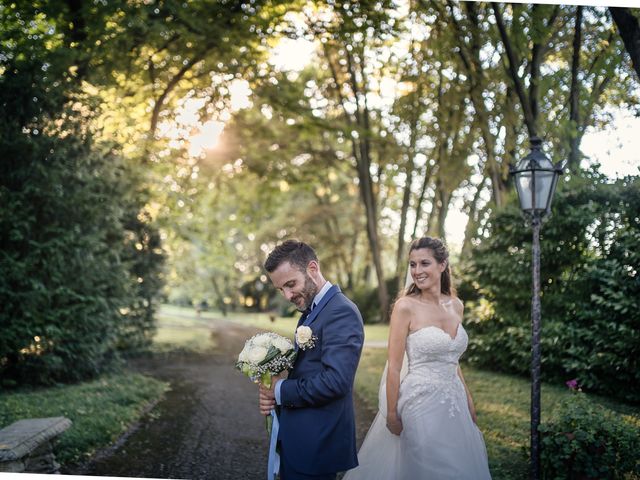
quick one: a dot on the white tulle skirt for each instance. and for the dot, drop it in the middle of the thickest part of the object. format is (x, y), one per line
(439, 440)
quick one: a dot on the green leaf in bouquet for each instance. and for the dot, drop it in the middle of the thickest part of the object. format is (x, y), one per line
(291, 355)
(265, 379)
(271, 354)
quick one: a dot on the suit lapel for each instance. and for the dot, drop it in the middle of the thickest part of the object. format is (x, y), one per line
(332, 292)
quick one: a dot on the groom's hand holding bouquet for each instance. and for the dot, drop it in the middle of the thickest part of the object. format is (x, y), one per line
(266, 356)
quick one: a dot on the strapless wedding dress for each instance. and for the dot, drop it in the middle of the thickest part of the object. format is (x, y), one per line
(439, 439)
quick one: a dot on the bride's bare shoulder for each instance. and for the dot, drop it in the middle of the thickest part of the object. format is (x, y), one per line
(404, 305)
(457, 305)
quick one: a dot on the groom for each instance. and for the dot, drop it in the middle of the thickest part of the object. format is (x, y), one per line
(317, 427)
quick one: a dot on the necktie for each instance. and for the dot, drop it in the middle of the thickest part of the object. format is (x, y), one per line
(305, 314)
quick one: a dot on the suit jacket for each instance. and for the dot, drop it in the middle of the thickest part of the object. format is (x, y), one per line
(317, 424)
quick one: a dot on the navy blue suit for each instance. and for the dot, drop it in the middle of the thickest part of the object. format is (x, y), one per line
(317, 425)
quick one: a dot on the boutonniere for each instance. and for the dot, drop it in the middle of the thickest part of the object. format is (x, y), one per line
(305, 337)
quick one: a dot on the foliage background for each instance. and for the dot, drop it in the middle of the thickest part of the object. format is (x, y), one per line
(403, 111)
(590, 289)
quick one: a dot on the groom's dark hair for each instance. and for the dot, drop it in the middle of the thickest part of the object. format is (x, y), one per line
(297, 253)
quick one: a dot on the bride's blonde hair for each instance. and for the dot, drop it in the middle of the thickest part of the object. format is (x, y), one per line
(441, 254)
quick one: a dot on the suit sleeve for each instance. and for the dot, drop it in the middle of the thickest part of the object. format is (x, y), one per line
(342, 340)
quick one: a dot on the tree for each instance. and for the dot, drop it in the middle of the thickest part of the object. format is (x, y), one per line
(430, 111)
(629, 29)
(470, 38)
(591, 72)
(348, 37)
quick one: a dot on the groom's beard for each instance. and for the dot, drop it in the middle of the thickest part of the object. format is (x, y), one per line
(308, 293)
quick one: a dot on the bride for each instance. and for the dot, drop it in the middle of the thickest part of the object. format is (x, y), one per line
(426, 423)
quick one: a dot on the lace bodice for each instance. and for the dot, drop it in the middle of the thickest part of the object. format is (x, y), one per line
(433, 361)
(431, 350)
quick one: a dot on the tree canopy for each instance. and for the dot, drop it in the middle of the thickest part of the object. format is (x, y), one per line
(402, 112)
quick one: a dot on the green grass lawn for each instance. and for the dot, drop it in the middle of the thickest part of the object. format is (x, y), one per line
(173, 315)
(179, 328)
(178, 331)
(103, 409)
(100, 410)
(502, 401)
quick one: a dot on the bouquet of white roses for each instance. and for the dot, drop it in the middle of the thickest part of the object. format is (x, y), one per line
(263, 356)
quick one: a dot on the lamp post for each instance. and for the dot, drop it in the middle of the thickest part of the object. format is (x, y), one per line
(535, 178)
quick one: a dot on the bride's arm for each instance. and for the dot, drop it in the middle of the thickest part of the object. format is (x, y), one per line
(459, 308)
(472, 408)
(398, 331)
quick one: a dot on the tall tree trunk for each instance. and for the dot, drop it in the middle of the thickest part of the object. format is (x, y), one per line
(441, 145)
(219, 294)
(406, 195)
(360, 147)
(512, 66)
(528, 100)
(369, 200)
(574, 95)
(444, 200)
(472, 222)
(428, 174)
(470, 57)
(510, 121)
(363, 145)
(431, 219)
(629, 30)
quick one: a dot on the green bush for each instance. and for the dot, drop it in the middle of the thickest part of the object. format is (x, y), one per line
(590, 285)
(79, 261)
(587, 441)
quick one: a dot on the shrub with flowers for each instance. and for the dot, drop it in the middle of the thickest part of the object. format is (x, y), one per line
(589, 441)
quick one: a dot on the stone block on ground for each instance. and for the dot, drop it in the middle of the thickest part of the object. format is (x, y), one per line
(25, 445)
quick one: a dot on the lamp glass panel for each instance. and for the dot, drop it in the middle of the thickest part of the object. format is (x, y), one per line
(542, 168)
(523, 185)
(544, 181)
(554, 183)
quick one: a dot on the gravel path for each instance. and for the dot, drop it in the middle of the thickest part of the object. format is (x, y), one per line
(207, 427)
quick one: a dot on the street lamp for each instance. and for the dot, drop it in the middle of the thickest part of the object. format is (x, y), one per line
(535, 178)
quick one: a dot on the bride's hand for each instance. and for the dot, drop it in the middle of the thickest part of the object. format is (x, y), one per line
(474, 417)
(394, 425)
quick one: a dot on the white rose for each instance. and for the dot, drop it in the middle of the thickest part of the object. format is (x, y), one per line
(257, 354)
(263, 340)
(303, 334)
(244, 355)
(282, 344)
